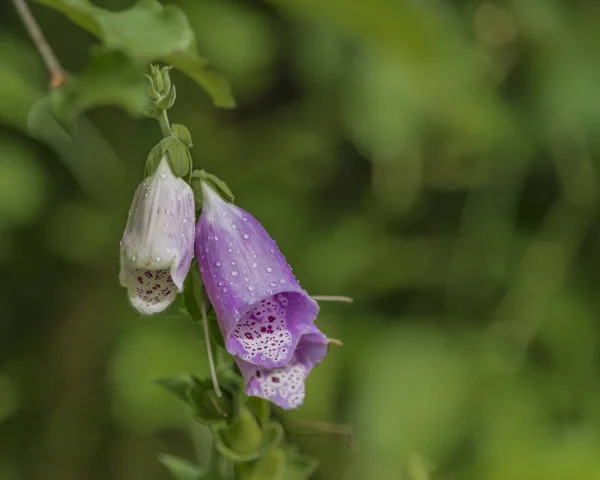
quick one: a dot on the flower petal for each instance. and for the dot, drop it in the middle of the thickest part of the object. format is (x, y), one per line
(285, 386)
(158, 240)
(248, 281)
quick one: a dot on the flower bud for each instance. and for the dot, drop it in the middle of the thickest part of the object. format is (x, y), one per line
(157, 246)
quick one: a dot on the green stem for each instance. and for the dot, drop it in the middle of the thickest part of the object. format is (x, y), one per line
(165, 126)
(215, 458)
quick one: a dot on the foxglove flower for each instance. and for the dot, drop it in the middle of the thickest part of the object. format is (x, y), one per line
(285, 386)
(266, 318)
(157, 246)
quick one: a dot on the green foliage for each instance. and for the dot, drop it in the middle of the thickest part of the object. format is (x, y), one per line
(180, 468)
(146, 32)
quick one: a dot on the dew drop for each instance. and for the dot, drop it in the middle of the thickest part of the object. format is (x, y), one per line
(254, 265)
(163, 175)
(251, 288)
(224, 214)
(246, 236)
(168, 212)
(134, 258)
(168, 250)
(282, 281)
(272, 250)
(235, 273)
(225, 289)
(218, 264)
(273, 284)
(145, 195)
(221, 283)
(158, 259)
(185, 219)
(230, 250)
(245, 219)
(269, 269)
(246, 279)
(234, 226)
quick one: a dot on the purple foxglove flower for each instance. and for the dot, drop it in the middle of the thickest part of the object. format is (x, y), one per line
(262, 310)
(285, 386)
(158, 243)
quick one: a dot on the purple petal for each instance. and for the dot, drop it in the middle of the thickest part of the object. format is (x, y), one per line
(285, 386)
(262, 309)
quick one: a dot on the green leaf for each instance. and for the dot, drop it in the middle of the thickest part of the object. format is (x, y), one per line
(148, 32)
(110, 78)
(180, 468)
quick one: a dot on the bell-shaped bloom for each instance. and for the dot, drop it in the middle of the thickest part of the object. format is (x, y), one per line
(262, 310)
(285, 386)
(158, 243)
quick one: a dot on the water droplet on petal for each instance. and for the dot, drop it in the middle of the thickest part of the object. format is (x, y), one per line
(254, 265)
(221, 283)
(185, 219)
(145, 195)
(224, 214)
(272, 250)
(218, 264)
(234, 226)
(246, 279)
(269, 269)
(163, 175)
(230, 250)
(168, 250)
(134, 258)
(282, 281)
(168, 212)
(235, 273)
(216, 238)
(273, 284)
(246, 236)
(251, 288)
(158, 259)
(225, 289)
(245, 219)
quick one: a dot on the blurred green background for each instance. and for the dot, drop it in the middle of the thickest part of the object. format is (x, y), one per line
(436, 160)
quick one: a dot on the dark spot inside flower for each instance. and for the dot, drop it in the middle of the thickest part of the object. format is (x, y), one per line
(140, 280)
(258, 374)
(169, 279)
(148, 274)
(271, 318)
(276, 380)
(263, 329)
(148, 292)
(249, 336)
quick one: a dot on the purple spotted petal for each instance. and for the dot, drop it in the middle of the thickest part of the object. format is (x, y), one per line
(285, 386)
(157, 246)
(262, 309)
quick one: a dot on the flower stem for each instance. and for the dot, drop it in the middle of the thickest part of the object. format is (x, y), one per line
(332, 298)
(57, 74)
(211, 362)
(165, 126)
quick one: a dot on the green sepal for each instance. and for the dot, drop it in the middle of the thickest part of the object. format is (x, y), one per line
(270, 466)
(298, 467)
(182, 133)
(201, 397)
(181, 469)
(244, 440)
(261, 408)
(177, 153)
(199, 176)
(151, 111)
(166, 102)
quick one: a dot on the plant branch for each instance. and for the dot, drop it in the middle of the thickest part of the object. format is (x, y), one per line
(57, 73)
(211, 361)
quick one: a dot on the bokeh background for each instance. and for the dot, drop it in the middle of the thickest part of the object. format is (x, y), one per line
(438, 161)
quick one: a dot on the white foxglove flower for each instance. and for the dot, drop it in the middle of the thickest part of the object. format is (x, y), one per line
(158, 243)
